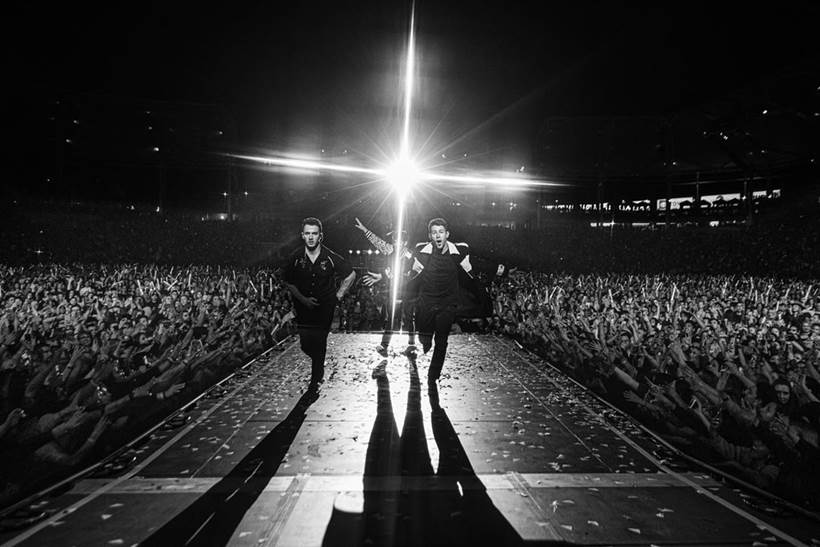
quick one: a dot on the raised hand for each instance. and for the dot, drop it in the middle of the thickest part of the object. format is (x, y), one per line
(371, 278)
(174, 389)
(654, 389)
(15, 417)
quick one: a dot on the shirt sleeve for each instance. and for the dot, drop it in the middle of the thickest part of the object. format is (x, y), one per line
(380, 244)
(465, 264)
(288, 270)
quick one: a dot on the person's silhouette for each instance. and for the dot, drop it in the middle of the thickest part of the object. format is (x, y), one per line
(478, 520)
(406, 502)
(214, 516)
(381, 467)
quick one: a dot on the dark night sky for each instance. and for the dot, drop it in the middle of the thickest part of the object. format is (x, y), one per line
(291, 73)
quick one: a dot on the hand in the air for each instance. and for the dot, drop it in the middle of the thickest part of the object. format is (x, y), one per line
(371, 279)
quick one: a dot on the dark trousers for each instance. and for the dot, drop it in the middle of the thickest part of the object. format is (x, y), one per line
(434, 321)
(313, 326)
(404, 314)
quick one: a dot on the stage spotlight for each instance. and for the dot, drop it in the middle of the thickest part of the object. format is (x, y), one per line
(403, 175)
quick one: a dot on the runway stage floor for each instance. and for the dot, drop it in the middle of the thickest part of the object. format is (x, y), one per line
(505, 451)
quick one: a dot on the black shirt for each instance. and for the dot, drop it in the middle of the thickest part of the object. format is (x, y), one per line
(439, 280)
(316, 279)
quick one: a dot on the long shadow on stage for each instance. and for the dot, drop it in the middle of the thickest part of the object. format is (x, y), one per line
(406, 502)
(214, 516)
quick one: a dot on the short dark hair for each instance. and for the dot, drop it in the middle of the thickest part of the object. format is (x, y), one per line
(311, 221)
(782, 382)
(437, 222)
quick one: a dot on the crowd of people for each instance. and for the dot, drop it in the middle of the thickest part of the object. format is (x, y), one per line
(725, 367)
(783, 243)
(722, 364)
(90, 355)
(87, 233)
(784, 247)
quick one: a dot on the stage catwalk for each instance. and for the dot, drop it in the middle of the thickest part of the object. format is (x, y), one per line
(505, 451)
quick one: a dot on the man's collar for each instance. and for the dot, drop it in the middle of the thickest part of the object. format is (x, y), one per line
(451, 248)
(318, 255)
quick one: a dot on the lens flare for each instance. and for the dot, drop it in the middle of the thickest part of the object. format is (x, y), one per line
(489, 180)
(403, 175)
(408, 84)
(297, 163)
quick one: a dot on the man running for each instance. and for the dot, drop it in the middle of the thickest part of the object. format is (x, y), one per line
(311, 274)
(442, 268)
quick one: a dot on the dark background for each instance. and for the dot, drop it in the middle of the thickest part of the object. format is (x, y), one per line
(575, 92)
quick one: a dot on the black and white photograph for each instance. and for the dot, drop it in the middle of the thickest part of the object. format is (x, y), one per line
(409, 273)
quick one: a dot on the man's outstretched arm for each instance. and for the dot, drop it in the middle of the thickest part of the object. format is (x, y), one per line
(384, 247)
(345, 284)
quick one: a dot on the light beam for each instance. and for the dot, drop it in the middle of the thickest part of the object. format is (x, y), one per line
(309, 164)
(403, 174)
(406, 173)
(400, 169)
(486, 179)
(409, 68)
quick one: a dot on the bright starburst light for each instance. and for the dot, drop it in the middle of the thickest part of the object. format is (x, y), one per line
(403, 174)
